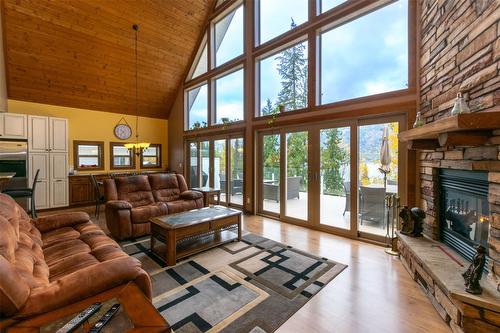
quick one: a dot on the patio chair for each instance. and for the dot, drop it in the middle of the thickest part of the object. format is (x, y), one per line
(272, 190)
(372, 204)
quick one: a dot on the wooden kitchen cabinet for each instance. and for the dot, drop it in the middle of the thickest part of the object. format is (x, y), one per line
(81, 190)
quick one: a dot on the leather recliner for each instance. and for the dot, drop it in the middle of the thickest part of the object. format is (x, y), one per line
(131, 201)
(54, 261)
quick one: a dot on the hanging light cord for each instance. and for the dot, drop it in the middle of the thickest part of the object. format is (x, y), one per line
(136, 28)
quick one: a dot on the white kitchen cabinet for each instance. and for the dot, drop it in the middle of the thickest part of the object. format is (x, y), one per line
(58, 179)
(48, 151)
(38, 134)
(58, 135)
(40, 161)
(13, 126)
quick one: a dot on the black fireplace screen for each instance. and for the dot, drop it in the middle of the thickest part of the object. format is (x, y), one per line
(464, 210)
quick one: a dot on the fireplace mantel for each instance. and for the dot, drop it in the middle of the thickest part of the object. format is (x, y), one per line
(467, 129)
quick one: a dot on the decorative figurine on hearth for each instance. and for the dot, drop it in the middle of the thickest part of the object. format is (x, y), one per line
(413, 220)
(475, 271)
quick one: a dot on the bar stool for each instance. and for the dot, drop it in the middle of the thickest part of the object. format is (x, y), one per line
(26, 193)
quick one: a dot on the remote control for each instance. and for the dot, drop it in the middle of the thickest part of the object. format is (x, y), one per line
(104, 319)
(79, 318)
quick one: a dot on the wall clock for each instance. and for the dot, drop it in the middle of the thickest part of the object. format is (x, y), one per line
(123, 131)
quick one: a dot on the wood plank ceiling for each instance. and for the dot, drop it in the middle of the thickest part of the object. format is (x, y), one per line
(80, 53)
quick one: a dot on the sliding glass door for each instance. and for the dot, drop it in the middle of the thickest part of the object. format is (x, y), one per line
(296, 177)
(284, 174)
(220, 174)
(218, 163)
(331, 176)
(335, 175)
(270, 195)
(378, 169)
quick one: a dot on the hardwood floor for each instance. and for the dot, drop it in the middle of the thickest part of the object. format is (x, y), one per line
(374, 293)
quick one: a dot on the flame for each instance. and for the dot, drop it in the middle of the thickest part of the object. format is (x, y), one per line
(483, 219)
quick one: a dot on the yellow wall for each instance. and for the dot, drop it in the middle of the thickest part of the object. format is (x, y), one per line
(92, 125)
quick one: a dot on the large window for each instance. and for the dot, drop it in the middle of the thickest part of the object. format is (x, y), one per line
(229, 36)
(197, 107)
(229, 98)
(121, 157)
(364, 57)
(202, 64)
(151, 157)
(283, 80)
(88, 155)
(278, 16)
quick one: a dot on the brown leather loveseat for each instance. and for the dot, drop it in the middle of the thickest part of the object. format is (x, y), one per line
(132, 201)
(55, 261)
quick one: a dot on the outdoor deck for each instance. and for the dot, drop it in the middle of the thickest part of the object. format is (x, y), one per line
(332, 209)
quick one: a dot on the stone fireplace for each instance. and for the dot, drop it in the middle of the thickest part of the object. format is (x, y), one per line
(471, 179)
(458, 160)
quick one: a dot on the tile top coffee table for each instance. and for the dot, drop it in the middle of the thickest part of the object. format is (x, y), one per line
(180, 235)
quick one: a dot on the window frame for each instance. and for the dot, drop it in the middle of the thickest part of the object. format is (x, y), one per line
(212, 52)
(186, 106)
(212, 97)
(158, 156)
(323, 29)
(112, 156)
(317, 22)
(77, 156)
(273, 52)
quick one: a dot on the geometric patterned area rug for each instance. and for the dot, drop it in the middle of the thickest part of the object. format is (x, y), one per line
(250, 286)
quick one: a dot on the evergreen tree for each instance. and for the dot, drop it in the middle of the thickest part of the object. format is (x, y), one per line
(292, 67)
(268, 108)
(334, 159)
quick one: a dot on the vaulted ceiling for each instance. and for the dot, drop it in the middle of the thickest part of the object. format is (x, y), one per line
(80, 53)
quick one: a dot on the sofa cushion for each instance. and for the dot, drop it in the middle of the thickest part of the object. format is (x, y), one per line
(134, 189)
(178, 206)
(144, 213)
(165, 186)
(22, 259)
(72, 260)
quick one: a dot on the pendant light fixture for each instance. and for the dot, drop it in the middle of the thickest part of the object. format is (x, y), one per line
(139, 147)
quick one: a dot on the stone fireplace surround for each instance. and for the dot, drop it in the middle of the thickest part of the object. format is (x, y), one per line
(436, 267)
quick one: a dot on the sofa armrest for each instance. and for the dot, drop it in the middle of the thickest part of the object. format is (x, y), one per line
(191, 195)
(118, 204)
(118, 219)
(56, 221)
(86, 282)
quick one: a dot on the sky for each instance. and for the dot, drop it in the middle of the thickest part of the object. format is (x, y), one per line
(363, 57)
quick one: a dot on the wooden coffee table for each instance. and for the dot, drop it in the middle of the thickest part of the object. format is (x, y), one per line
(180, 235)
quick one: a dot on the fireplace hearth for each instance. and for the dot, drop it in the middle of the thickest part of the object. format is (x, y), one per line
(464, 210)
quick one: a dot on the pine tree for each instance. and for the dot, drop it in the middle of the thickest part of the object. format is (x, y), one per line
(268, 108)
(334, 158)
(292, 67)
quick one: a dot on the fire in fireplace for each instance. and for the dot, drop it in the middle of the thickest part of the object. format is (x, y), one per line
(464, 211)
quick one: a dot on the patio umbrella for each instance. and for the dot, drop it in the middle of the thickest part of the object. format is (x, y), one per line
(385, 155)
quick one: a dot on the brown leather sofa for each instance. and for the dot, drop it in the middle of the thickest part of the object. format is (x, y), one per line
(55, 261)
(132, 201)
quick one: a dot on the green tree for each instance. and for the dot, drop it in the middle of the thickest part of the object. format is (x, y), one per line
(268, 108)
(334, 159)
(292, 68)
